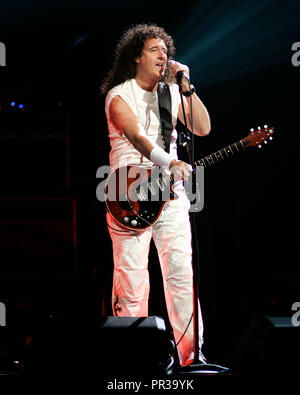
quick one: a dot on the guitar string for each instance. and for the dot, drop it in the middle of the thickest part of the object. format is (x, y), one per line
(224, 150)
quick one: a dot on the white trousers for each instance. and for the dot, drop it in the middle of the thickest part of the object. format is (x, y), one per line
(172, 238)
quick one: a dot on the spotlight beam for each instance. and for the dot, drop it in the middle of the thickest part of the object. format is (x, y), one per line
(225, 40)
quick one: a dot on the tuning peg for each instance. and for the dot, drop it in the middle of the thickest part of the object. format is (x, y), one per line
(266, 126)
(251, 130)
(259, 146)
(258, 128)
(270, 138)
(265, 142)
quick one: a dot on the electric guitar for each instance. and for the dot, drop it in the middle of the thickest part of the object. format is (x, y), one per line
(135, 196)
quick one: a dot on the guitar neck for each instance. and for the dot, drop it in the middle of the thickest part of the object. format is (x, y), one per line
(222, 154)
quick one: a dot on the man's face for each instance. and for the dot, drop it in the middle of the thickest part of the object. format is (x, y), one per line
(153, 60)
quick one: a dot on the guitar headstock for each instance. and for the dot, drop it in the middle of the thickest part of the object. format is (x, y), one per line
(258, 137)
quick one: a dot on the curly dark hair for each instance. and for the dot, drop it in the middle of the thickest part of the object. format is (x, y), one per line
(129, 48)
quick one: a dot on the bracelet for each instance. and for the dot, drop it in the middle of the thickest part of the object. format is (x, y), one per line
(160, 157)
(190, 92)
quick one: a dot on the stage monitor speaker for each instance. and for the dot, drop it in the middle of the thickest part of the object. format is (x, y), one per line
(269, 345)
(115, 347)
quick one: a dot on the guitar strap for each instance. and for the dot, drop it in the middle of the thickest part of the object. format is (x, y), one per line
(165, 112)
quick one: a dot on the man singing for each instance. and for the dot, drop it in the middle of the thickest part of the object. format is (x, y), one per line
(143, 59)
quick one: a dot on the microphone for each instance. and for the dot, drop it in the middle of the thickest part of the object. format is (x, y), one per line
(181, 74)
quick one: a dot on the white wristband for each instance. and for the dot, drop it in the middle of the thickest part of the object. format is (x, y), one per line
(160, 157)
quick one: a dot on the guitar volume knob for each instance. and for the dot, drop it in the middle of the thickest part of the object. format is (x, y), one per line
(126, 219)
(133, 222)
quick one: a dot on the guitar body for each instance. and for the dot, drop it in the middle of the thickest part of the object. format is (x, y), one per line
(135, 196)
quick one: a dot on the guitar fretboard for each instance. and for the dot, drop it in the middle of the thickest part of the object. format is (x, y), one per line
(220, 155)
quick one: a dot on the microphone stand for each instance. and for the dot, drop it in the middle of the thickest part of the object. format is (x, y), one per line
(197, 366)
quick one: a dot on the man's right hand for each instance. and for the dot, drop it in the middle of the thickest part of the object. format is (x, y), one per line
(180, 169)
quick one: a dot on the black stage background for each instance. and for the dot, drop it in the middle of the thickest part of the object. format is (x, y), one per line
(55, 250)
